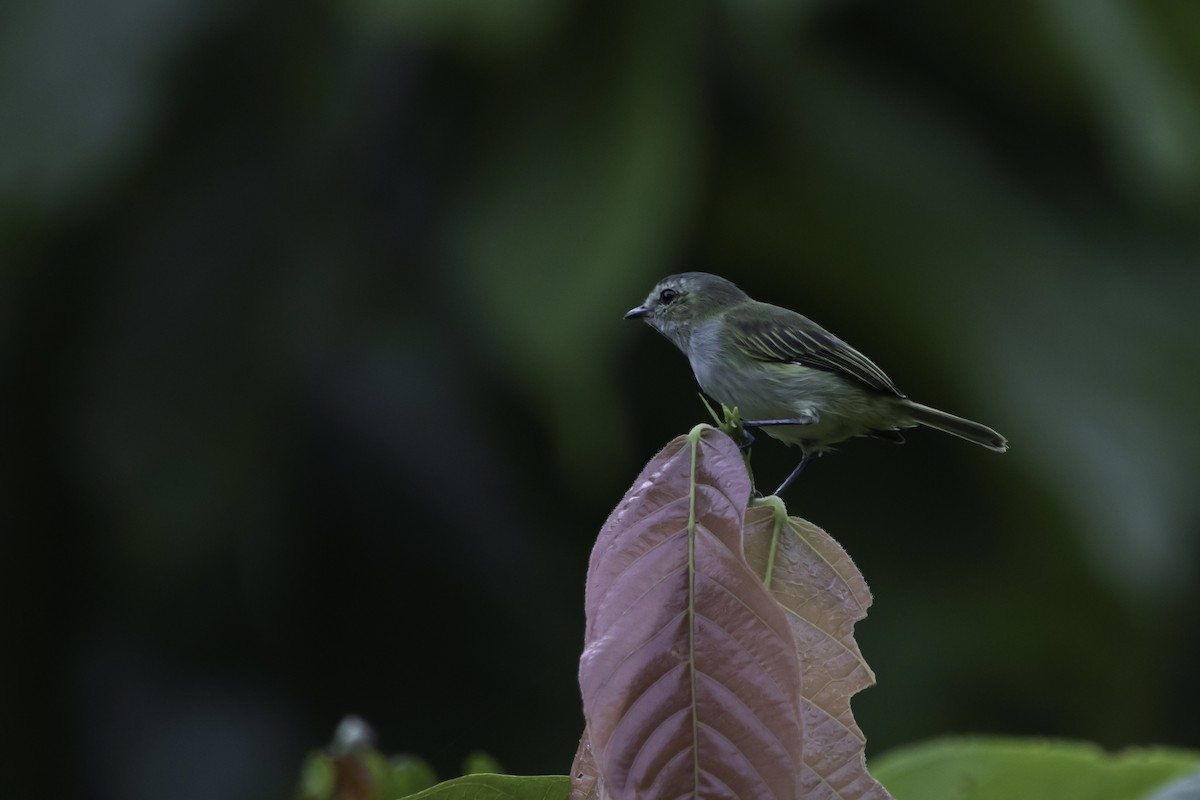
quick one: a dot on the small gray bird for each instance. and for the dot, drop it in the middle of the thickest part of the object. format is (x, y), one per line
(784, 373)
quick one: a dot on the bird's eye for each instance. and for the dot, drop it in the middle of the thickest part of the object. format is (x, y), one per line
(667, 296)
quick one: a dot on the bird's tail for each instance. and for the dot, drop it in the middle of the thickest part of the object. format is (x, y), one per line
(963, 428)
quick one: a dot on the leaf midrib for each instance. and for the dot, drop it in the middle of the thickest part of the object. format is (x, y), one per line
(691, 534)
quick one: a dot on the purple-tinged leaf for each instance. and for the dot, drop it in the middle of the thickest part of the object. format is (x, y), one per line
(690, 673)
(825, 595)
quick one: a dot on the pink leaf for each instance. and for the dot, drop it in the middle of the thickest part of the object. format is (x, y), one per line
(690, 673)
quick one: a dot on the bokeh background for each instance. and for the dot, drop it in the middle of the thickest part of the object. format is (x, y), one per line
(316, 387)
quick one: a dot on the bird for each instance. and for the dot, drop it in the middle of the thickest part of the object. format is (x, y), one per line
(784, 373)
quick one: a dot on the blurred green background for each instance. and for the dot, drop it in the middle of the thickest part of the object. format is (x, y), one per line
(316, 388)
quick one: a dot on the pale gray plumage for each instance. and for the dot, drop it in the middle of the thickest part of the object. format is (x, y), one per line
(772, 364)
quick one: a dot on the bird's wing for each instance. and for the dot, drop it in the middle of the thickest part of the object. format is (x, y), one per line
(785, 336)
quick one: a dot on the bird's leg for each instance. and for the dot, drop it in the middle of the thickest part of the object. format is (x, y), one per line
(799, 468)
(808, 418)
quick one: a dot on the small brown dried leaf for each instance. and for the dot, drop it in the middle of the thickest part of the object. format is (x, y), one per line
(585, 775)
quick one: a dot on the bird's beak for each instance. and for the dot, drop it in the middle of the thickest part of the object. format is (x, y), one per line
(637, 313)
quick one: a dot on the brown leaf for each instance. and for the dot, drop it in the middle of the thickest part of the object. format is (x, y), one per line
(825, 595)
(690, 674)
(353, 779)
(586, 783)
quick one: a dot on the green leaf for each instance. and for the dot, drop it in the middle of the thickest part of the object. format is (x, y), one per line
(1003, 769)
(478, 761)
(404, 776)
(318, 776)
(499, 787)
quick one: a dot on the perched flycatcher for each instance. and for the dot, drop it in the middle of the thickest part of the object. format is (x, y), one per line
(810, 388)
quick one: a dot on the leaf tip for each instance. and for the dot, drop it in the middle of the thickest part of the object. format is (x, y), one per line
(698, 431)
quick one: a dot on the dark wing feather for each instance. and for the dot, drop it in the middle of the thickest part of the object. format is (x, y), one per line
(785, 336)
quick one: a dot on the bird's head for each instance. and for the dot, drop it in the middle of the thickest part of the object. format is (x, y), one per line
(677, 303)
